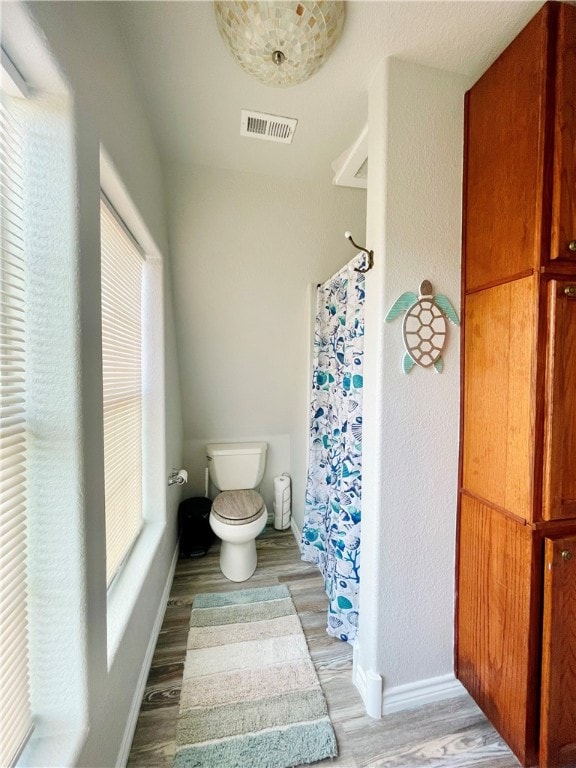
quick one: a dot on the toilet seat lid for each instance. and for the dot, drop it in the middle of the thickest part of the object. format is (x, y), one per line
(237, 507)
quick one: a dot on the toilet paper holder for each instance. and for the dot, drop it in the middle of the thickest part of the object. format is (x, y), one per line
(178, 477)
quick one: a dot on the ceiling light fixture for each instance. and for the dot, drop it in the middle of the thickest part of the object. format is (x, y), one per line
(280, 43)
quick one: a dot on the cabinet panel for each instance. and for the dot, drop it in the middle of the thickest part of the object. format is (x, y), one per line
(496, 655)
(558, 707)
(505, 138)
(560, 432)
(564, 188)
(498, 425)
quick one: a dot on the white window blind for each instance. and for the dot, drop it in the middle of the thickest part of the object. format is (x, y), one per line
(122, 275)
(14, 688)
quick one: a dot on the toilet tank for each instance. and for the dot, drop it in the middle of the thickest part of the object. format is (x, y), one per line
(236, 466)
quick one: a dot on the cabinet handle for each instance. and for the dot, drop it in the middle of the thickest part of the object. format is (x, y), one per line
(566, 554)
(572, 245)
(570, 290)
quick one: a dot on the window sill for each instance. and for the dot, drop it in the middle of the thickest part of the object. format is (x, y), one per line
(58, 749)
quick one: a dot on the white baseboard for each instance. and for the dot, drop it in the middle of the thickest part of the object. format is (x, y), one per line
(369, 686)
(124, 752)
(379, 702)
(296, 532)
(421, 692)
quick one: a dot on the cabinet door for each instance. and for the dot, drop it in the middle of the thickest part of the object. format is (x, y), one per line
(560, 425)
(504, 163)
(558, 701)
(499, 622)
(498, 392)
(564, 178)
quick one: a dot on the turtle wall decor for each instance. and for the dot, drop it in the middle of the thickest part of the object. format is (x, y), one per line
(424, 326)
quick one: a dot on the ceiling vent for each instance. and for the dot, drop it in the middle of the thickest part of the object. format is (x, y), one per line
(267, 127)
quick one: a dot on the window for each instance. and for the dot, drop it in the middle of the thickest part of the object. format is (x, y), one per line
(14, 693)
(122, 286)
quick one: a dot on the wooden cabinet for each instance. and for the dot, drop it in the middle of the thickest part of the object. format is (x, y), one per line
(516, 572)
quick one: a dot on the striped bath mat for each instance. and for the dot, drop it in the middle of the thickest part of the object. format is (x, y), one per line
(250, 694)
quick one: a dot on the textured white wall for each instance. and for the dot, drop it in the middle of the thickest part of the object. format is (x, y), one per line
(100, 653)
(246, 248)
(54, 486)
(411, 433)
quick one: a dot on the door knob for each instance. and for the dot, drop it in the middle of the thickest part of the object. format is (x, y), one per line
(570, 290)
(572, 245)
(566, 554)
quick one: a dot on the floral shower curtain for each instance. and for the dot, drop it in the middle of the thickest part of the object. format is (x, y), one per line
(331, 531)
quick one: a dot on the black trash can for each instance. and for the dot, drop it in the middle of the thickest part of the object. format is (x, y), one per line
(194, 530)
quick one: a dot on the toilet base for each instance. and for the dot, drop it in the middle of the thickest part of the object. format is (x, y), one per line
(238, 561)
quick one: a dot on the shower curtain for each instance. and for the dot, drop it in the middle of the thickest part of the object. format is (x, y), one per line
(331, 530)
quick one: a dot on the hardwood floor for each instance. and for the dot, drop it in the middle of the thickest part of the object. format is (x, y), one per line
(452, 733)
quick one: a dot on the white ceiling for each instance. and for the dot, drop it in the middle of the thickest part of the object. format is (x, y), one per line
(195, 91)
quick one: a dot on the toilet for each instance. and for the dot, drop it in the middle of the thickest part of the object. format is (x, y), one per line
(238, 512)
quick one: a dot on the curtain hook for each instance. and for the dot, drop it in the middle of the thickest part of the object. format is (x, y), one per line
(369, 254)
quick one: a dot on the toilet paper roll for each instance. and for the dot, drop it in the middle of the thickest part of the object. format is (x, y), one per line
(282, 502)
(182, 477)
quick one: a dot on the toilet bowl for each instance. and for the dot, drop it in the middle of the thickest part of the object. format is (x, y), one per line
(237, 519)
(238, 512)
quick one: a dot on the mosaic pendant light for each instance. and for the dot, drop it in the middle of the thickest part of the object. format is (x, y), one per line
(280, 43)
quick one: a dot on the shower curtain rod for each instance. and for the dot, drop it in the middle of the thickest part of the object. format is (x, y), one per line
(369, 255)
